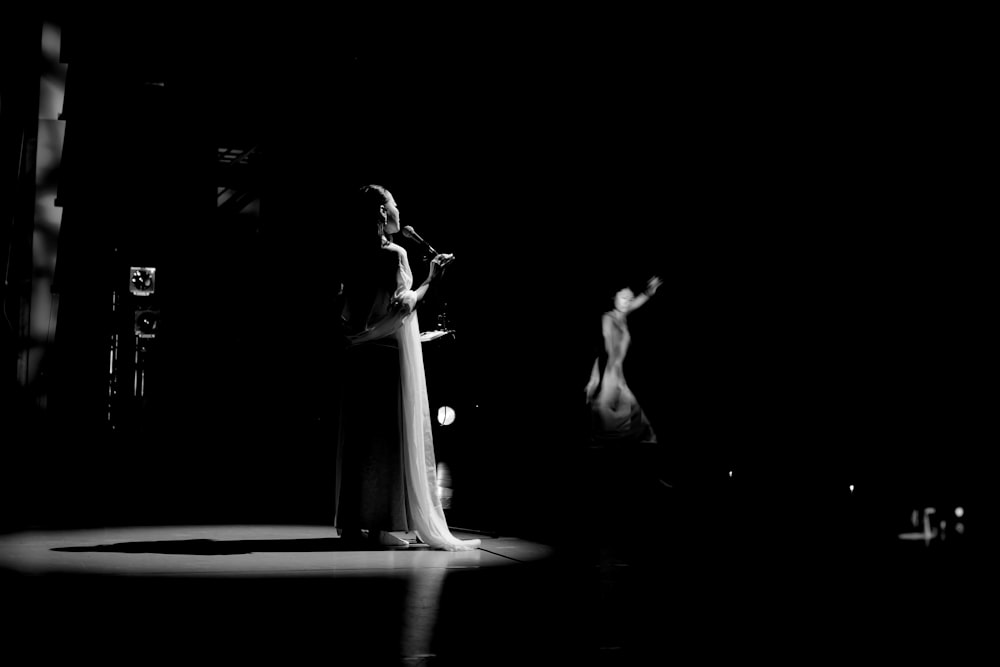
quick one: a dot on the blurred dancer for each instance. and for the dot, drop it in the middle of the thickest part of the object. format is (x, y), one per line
(616, 414)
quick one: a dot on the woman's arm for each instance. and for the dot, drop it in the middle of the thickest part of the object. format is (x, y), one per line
(414, 297)
(640, 300)
(593, 381)
(403, 303)
(606, 329)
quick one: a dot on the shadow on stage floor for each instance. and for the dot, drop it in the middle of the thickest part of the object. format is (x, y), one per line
(700, 581)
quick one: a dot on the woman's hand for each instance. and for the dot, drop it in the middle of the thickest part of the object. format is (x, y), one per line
(439, 263)
(652, 285)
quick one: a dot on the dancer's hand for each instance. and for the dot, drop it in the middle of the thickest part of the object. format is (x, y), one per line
(652, 285)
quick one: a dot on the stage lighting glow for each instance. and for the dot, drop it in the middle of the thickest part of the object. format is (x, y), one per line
(445, 415)
(145, 323)
(959, 512)
(851, 487)
(730, 473)
(444, 485)
(142, 280)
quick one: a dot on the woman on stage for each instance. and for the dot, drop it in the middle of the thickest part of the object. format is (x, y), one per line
(615, 412)
(386, 472)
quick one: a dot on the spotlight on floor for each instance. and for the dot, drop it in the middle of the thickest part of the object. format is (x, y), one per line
(445, 415)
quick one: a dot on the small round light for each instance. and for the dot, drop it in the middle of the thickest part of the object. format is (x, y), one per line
(959, 512)
(445, 415)
(142, 279)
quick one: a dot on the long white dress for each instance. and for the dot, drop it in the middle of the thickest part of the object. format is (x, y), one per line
(616, 414)
(392, 321)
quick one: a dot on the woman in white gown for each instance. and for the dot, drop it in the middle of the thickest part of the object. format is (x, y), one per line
(386, 471)
(615, 412)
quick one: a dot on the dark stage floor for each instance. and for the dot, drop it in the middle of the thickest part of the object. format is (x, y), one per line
(291, 595)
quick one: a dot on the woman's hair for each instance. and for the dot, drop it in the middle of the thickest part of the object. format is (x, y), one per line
(370, 197)
(360, 263)
(361, 234)
(610, 293)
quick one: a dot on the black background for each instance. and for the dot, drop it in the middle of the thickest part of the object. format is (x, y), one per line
(804, 186)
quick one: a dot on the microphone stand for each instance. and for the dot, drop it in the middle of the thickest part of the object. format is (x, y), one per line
(442, 322)
(444, 328)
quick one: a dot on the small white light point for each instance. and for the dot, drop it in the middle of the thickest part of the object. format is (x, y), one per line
(959, 512)
(446, 415)
(730, 473)
(851, 487)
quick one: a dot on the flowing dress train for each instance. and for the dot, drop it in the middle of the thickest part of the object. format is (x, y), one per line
(615, 412)
(386, 468)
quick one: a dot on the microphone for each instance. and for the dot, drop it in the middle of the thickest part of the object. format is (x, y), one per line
(411, 233)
